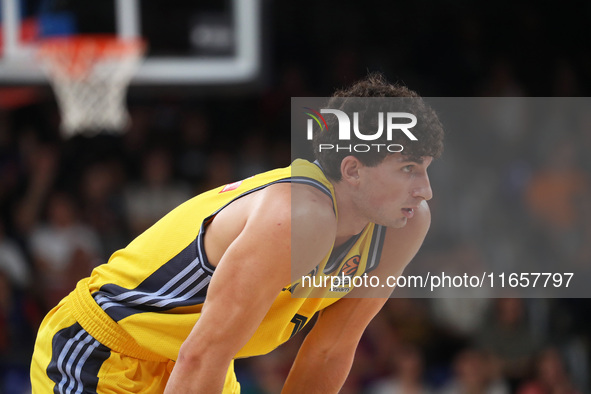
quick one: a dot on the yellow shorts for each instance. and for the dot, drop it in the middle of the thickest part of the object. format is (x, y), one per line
(68, 359)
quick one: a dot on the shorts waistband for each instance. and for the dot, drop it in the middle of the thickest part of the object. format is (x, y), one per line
(104, 329)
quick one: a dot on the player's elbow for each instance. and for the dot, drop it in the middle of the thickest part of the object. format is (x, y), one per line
(332, 350)
(335, 361)
(186, 357)
(189, 356)
(197, 357)
(337, 354)
(197, 372)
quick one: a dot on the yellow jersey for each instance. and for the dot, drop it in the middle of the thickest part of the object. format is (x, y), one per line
(147, 298)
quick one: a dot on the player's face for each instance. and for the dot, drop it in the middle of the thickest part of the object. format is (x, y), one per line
(391, 192)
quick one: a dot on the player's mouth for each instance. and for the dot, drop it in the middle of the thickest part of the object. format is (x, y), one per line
(408, 212)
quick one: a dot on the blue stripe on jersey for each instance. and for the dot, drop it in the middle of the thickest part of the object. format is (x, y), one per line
(76, 359)
(312, 182)
(182, 281)
(375, 247)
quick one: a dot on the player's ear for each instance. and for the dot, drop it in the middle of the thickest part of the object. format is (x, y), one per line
(350, 167)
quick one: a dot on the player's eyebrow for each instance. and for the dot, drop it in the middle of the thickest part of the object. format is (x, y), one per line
(417, 160)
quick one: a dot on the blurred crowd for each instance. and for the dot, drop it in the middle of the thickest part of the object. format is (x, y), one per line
(522, 195)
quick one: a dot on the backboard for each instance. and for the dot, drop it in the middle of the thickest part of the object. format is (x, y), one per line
(189, 42)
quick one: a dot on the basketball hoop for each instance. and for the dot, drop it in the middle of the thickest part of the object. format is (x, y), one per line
(90, 75)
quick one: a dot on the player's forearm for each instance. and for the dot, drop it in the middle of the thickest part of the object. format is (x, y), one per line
(316, 371)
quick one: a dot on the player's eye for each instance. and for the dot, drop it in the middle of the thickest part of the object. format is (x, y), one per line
(408, 168)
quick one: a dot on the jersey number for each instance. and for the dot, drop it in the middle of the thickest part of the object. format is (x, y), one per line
(299, 322)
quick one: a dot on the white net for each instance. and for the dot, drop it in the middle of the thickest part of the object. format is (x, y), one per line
(90, 79)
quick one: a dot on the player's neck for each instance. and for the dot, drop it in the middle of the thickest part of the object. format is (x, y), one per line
(349, 221)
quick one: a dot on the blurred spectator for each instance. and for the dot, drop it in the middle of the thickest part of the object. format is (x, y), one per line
(9, 162)
(409, 318)
(103, 204)
(63, 249)
(268, 373)
(252, 156)
(41, 166)
(475, 372)
(220, 171)
(554, 192)
(156, 195)
(557, 198)
(461, 316)
(362, 371)
(195, 136)
(508, 338)
(551, 376)
(134, 138)
(13, 262)
(406, 375)
(19, 318)
(383, 341)
(274, 103)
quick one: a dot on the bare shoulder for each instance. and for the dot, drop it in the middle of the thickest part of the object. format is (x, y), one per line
(314, 227)
(310, 204)
(307, 214)
(294, 202)
(293, 215)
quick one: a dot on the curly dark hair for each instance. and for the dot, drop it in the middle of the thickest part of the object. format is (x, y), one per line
(428, 130)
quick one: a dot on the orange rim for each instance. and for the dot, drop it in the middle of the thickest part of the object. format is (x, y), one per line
(75, 55)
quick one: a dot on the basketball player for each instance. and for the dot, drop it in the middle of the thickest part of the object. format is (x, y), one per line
(212, 280)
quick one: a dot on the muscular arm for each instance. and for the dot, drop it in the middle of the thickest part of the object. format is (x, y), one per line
(326, 356)
(249, 275)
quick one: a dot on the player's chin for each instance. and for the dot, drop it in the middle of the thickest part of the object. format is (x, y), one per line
(396, 223)
(401, 222)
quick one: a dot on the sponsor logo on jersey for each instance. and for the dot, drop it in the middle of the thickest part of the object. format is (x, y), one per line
(350, 267)
(342, 282)
(231, 186)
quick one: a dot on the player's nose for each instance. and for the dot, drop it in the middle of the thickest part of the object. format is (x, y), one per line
(422, 189)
